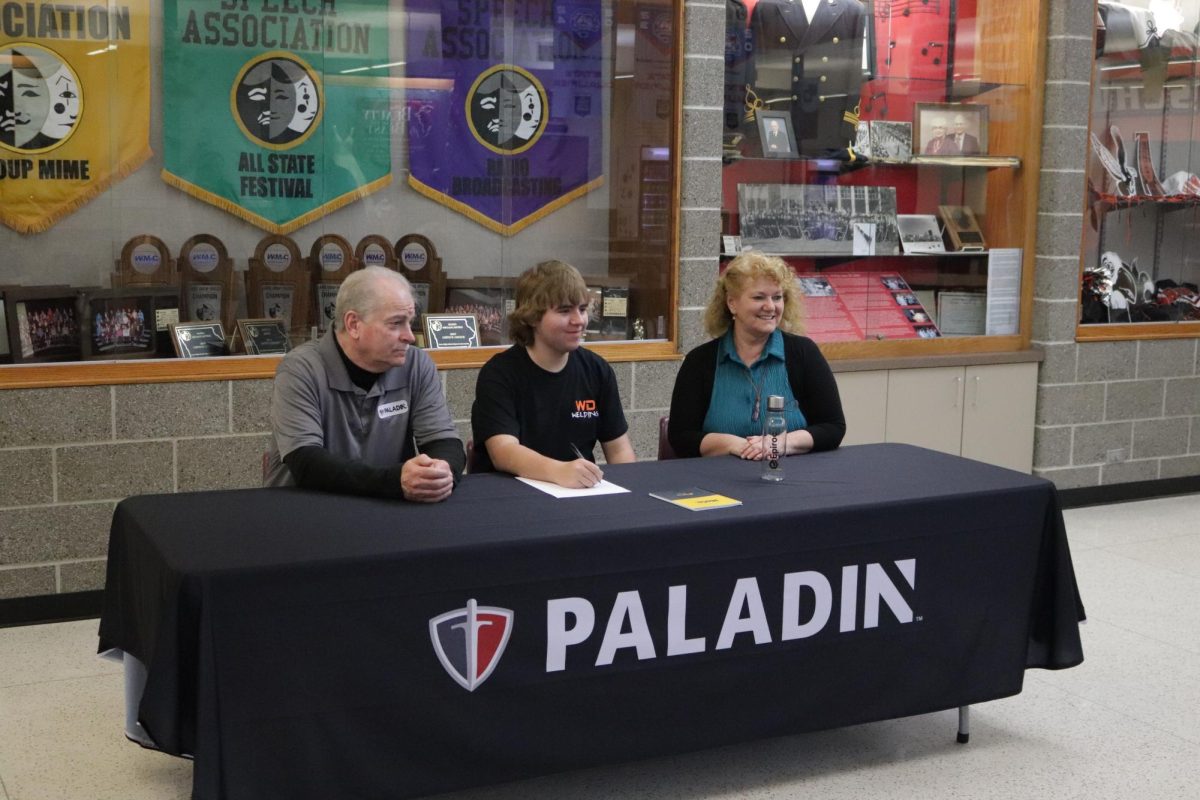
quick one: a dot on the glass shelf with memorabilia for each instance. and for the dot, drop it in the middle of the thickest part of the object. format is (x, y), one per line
(889, 151)
(458, 146)
(1140, 270)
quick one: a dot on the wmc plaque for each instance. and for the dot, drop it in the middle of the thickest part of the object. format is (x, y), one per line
(145, 261)
(277, 283)
(206, 271)
(330, 261)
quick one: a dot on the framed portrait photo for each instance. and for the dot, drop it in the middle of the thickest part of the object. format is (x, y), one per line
(776, 135)
(950, 129)
(43, 323)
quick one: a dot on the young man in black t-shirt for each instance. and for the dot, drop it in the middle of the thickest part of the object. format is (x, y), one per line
(541, 406)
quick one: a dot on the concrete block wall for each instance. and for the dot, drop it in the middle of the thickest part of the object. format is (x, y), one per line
(1107, 412)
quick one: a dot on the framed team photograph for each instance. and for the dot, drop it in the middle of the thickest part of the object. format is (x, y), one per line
(488, 301)
(131, 322)
(818, 219)
(776, 135)
(43, 323)
(950, 129)
(891, 141)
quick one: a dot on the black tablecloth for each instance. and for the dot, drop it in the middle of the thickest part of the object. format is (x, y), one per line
(289, 646)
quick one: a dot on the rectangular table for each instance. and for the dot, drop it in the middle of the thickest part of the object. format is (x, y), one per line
(307, 645)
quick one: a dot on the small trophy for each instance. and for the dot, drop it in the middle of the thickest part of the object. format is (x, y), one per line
(145, 261)
(419, 263)
(206, 271)
(277, 283)
(330, 261)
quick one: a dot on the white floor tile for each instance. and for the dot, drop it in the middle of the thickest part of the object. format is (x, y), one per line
(51, 652)
(1157, 603)
(62, 740)
(1179, 554)
(1122, 523)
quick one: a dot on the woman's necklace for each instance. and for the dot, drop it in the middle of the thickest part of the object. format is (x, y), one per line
(757, 387)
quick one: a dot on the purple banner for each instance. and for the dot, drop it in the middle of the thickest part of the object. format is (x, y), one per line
(504, 107)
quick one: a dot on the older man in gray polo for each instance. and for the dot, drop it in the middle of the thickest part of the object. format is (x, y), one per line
(345, 406)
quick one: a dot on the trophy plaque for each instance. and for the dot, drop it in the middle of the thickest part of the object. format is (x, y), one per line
(278, 282)
(330, 260)
(145, 261)
(206, 272)
(264, 336)
(198, 339)
(451, 331)
(376, 251)
(419, 263)
(962, 229)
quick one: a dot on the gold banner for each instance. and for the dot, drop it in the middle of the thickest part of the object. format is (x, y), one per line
(74, 105)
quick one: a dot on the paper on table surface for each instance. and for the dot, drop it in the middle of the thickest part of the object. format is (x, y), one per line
(554, 490)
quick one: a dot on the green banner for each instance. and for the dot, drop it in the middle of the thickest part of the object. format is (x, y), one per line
(276, 111)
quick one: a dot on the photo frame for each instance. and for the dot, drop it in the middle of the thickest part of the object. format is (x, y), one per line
(950, 129)
(489, 300)
(920, 233)
(962, 229)
(891, 141)
(262, 337)
(198, 339)
(130, 322)
(775, 134)
(43, 324)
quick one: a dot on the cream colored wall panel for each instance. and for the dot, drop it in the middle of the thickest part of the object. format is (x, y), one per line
(924, 407)
(864, 402)
(998, 415)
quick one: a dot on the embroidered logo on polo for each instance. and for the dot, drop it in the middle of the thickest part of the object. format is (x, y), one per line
(469, 641)
(392, 409)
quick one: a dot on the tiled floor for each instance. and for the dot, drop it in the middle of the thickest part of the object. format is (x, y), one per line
(1125, 724)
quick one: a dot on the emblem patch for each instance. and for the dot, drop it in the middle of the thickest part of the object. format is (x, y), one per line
(469, 641)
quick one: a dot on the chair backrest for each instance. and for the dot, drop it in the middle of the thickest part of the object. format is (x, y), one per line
(665, 451)
(472, 461)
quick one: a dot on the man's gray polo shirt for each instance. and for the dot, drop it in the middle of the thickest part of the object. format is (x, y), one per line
(315, 403)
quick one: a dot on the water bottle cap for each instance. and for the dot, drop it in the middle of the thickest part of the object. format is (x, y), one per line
(775, 403)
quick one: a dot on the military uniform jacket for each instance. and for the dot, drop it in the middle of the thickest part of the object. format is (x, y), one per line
(813, 70)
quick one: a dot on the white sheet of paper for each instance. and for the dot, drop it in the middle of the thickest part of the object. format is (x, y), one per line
(554, 490)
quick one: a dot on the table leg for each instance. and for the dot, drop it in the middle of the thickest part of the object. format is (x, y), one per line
(964, 724)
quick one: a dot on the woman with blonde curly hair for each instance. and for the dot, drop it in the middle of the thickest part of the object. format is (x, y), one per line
(720, 397)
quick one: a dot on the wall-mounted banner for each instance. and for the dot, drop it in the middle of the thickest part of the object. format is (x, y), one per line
(269, 108)
(506, 125)
(74, 105)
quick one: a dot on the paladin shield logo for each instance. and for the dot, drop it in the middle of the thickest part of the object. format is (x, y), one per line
(469, 641)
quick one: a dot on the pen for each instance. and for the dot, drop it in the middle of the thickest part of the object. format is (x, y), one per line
(575, 449)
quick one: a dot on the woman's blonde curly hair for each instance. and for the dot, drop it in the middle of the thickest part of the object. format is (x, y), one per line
(743, 271)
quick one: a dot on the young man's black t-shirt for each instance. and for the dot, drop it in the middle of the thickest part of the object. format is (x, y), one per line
(546, 411)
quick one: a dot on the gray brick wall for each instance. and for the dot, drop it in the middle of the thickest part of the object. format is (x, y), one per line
(1108, 412)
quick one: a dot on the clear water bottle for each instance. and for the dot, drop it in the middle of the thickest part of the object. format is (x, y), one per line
(774, 439)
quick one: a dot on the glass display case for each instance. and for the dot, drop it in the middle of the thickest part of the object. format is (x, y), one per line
(1139, 267)
(888, 151)
(243, 158)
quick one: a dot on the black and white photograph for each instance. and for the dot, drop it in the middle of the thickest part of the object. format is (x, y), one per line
(817, 220)
(862, 138)
(775, 133)
(950, 129)
(891, 141)
(816, 287)
(920, 233)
